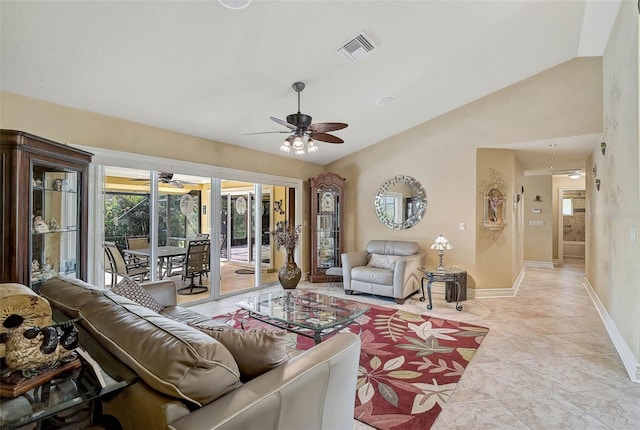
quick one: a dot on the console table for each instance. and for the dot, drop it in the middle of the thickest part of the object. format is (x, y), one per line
(455, 281)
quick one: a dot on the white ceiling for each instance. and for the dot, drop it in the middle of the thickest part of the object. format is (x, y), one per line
(198, 68)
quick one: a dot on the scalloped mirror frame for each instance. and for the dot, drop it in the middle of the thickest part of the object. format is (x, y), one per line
(418, 194)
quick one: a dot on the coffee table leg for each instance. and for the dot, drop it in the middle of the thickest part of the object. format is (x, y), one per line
(316, 337)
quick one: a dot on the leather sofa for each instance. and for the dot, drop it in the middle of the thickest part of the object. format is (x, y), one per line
(189, 380)
(386, 268)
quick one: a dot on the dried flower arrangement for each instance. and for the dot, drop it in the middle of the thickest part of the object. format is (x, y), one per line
(286, 235)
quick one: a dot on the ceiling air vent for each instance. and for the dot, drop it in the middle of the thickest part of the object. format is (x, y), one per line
(356, 48)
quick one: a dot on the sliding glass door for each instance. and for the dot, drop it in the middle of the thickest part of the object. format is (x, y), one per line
(151, 217)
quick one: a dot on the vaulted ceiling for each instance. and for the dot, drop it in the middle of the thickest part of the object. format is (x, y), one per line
(199, 68)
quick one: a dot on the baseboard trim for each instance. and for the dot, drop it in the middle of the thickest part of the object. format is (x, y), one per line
(485, 293)
(540, 264)
(628, 359)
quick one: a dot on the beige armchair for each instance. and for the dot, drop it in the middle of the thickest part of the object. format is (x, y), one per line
(386, 268)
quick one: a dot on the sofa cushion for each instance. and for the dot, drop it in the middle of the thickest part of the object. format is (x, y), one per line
(372, 275)
(255, 351)
(193, 318)
(171, 357)
(130, 289)
(382, 261)
(68, 294)
(392, 247)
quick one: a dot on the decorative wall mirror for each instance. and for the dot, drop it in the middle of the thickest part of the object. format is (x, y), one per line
(400, 202)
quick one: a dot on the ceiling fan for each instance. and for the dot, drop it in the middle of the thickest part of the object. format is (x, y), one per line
(167, 178)
(300, 127)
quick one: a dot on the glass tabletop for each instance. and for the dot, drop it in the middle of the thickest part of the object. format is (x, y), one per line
(304, 309)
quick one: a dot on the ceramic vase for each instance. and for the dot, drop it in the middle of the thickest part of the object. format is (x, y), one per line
(289, 274)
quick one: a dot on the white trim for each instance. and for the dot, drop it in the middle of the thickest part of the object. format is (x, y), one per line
(624, 351)
(131, 160)
(485, 293)
(539, 264)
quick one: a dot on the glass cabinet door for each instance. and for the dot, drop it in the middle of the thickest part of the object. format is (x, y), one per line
(327, 228)
(55, 209)
(327, 207)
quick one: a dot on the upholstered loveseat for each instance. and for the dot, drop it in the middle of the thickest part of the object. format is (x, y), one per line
(189, 380)
(386, 268)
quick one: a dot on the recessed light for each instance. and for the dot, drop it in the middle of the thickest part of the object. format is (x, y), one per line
(553, 145)
(385, 100)
(552, 158)
(235, 4)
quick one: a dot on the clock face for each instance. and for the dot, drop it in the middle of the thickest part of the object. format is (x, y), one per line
(327, 202)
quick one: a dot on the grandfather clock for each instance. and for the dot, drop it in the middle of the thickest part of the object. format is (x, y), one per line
(327, 209)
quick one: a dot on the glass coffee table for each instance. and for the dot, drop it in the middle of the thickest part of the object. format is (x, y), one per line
(306, 313)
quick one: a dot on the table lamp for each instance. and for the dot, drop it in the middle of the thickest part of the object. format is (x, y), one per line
(441, 244)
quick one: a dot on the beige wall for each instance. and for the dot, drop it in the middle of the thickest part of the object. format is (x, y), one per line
(498, 250)
(614, 211)
(441, 154)
(538, 240)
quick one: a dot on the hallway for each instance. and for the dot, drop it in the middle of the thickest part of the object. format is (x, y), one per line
(547, 362)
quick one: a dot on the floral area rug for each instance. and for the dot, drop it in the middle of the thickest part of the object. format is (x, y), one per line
(409, 364)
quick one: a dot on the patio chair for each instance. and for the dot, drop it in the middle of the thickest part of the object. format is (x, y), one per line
(120, 267)
(196, 263)
(138, 242)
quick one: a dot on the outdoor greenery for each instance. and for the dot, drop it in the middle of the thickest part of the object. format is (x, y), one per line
(127, 214)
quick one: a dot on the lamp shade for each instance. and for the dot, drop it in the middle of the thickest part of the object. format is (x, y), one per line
(441, 244)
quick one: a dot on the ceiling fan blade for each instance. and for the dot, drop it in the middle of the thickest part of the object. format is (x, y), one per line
(325, 137)
(322, 127)
(267, 132)
(282, 122)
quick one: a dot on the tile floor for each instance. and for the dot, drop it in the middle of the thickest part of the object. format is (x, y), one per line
(547, 362)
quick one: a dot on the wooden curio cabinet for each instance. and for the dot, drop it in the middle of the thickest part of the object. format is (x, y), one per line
(327, 211)
(43, 201)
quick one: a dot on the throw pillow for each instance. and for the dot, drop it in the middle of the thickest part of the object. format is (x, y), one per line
(255, 351)
(131, 290)
(383, 261)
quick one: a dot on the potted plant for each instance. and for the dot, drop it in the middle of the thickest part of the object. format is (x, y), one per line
(287, 236)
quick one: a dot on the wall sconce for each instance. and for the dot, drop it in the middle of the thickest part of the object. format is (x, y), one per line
(441, 244)
(598, 184)
(603, 147)
(538, 199)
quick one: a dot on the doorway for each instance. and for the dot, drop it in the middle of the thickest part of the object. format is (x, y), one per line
(571, 223)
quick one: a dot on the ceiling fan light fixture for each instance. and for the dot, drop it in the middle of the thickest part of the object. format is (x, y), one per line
(575, 175)
(286, 145)
(298, 143)
(311, 146)
(299, 151)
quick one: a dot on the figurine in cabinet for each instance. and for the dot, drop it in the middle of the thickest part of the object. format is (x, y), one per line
(53, 224)
(57, 184)
(39, 225)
